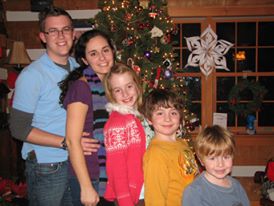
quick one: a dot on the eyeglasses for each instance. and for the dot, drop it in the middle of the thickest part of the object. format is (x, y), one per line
(53, 32)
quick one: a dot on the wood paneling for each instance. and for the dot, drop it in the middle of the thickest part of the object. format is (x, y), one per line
(29, 35)
(214, 3)
(76, 5)
(254, 149)
(193, 8)
(24, 5)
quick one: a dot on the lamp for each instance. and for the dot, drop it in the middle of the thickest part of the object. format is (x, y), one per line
(18, 55)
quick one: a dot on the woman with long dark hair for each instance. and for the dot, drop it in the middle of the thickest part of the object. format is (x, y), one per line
(84, 99)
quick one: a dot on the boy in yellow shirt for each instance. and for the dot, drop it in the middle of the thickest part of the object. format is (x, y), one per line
(169, 164)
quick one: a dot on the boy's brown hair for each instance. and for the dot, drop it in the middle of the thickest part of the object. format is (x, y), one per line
(214, 141)
(161, 98)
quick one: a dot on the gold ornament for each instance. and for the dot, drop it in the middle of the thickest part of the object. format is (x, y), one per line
(144, 3)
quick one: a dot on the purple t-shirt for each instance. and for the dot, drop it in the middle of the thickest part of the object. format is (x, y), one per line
(79, 91)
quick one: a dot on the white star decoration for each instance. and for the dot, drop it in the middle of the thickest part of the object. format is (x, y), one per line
(207, 52)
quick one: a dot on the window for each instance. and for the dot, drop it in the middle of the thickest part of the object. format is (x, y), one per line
(252, 37)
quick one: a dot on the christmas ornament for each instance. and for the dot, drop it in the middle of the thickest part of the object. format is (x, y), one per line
(147, 54)
(128, 16)
(156, 32)
(156, 49)
(167, 63)
(128, 41)
(135, 67)
(147, 25)
(207, 52)
(118, 55)
(144, 3)
(158, 74)
(113, 28)
(168, 74)
(165, 39)
(141, 25)
(153, 14)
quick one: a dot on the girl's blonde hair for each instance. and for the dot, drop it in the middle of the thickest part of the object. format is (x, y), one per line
(119, 68)
(214, 141)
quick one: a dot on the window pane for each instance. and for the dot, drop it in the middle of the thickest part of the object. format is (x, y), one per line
(266, 63)
(224, 85)
(196, 109)
(246, 34)
(177, 57)
(176, 37)
(242, 120)
(266, 115)
(230, 63)
(190, 30)
(268, 83)
(226, 31)
(223, 108)
(249, 63)
(266, 31)
(185, 56)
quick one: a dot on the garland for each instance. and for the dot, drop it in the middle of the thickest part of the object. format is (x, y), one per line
(234, 98)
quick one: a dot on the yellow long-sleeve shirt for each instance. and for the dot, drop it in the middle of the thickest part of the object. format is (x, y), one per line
(168, 168)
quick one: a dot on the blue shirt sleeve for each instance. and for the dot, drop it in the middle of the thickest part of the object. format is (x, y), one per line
(27, 91)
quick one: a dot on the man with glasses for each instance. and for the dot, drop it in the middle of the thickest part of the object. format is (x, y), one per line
(39, 120)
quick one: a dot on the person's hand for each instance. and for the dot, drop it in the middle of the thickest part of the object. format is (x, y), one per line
(89, 197)
(89, 145)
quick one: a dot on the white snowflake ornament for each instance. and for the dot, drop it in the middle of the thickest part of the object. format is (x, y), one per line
(207, 52)
(156, 32)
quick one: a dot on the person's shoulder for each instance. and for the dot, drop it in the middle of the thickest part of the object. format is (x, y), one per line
(182, 141)
(234, 181)
(80, 84)
(194, 187)
(73, 62)
(80, 91)
(119, 117)
(157, 148)
(116, 119)
(37, 66)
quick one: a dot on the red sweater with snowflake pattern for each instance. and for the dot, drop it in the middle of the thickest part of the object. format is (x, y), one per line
(125, 147)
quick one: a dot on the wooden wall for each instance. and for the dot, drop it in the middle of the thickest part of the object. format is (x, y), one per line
(190, 8)
(254, 149)
(28, 31)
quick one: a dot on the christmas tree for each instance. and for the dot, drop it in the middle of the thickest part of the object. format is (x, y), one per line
(142, 31)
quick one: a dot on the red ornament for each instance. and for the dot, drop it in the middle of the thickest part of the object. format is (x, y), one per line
(165, 39)
(152, 7)
(128, 16)
(141, 25)
(158, 74)
(153, 15)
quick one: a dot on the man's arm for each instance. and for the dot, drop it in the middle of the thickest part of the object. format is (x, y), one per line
(20, 124)
(21, 129)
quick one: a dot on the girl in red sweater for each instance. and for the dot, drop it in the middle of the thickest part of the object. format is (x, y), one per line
(124, 137)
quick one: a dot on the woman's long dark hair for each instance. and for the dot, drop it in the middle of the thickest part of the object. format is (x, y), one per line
(80, 54)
